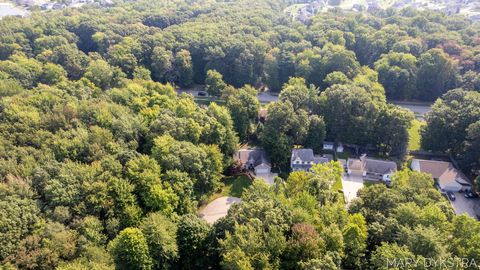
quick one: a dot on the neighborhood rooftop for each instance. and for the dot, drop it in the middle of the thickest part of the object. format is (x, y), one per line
(253, 157)
(447, 177)
(303, 159)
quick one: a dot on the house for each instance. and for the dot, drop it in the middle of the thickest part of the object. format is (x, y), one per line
(371, 169)
(327, 145)
(303, 159)
(46, 6)
(255, 160)
(59, 6)
(27, 3)
(330, 146)
(340, 148)
(444, 173)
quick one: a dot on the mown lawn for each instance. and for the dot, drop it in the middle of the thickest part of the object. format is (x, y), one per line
(414, 135)
(233, 186)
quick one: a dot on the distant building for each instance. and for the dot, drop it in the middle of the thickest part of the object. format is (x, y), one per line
(330, 146)
(28, 3)
(59, 6)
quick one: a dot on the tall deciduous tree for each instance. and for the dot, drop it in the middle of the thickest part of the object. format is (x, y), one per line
(214, 84)
(355, 237)
(183, 67)
(346, 108)
(130, 250)
(436, 74)
(397, 72)
(191, 238)
(160, 234)
(243, 106)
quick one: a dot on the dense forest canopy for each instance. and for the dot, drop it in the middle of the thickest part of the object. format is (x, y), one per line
(103, 164)
(418, 55)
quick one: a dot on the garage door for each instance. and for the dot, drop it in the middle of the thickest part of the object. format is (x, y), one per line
(262, 170)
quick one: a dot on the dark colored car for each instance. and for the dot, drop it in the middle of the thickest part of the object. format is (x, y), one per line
(202, 94)
(451, 196)
(470, 194)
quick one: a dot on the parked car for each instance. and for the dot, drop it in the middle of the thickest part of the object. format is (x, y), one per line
(470, 194)
(202, 94)
(451, 196)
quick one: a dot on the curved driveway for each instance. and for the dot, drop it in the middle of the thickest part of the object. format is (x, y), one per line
(218, 208)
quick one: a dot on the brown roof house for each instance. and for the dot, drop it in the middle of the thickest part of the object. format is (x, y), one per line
(372, 169)
(447, 177)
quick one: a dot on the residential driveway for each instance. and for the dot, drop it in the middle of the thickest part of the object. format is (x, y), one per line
(351, 184)
(269, 178)
(462, 205)
(218, 209)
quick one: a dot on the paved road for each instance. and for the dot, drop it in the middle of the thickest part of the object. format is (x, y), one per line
(418, 109)
(267, 97)
(218, 208)
(264, 97)
(351, 184)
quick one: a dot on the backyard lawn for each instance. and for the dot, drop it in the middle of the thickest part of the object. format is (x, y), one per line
(414, 135)
(233, 187)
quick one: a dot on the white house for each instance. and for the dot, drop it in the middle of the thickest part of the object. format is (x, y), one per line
(303, 159)
(327, 145)
(371, 169)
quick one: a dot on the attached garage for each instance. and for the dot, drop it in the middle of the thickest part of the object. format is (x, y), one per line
(445, 174)
(449, 185)
(262, 169)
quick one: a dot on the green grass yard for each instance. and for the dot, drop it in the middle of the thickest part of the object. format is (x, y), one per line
(414, 135)
(233, 186)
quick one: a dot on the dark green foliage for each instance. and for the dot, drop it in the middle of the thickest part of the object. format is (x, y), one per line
(18, 216)
(103, 168)
(192, 236)
(160, 233)
(436, 74)
(451, 126)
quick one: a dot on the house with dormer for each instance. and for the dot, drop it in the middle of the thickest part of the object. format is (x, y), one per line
(371, 169)
(255, 160)
(303, 159)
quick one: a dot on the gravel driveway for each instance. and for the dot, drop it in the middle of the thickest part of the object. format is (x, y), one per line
(218, 208)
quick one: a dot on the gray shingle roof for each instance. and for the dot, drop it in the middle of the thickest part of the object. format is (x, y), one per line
(303, 154)
(380, 166)
(254, 156)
